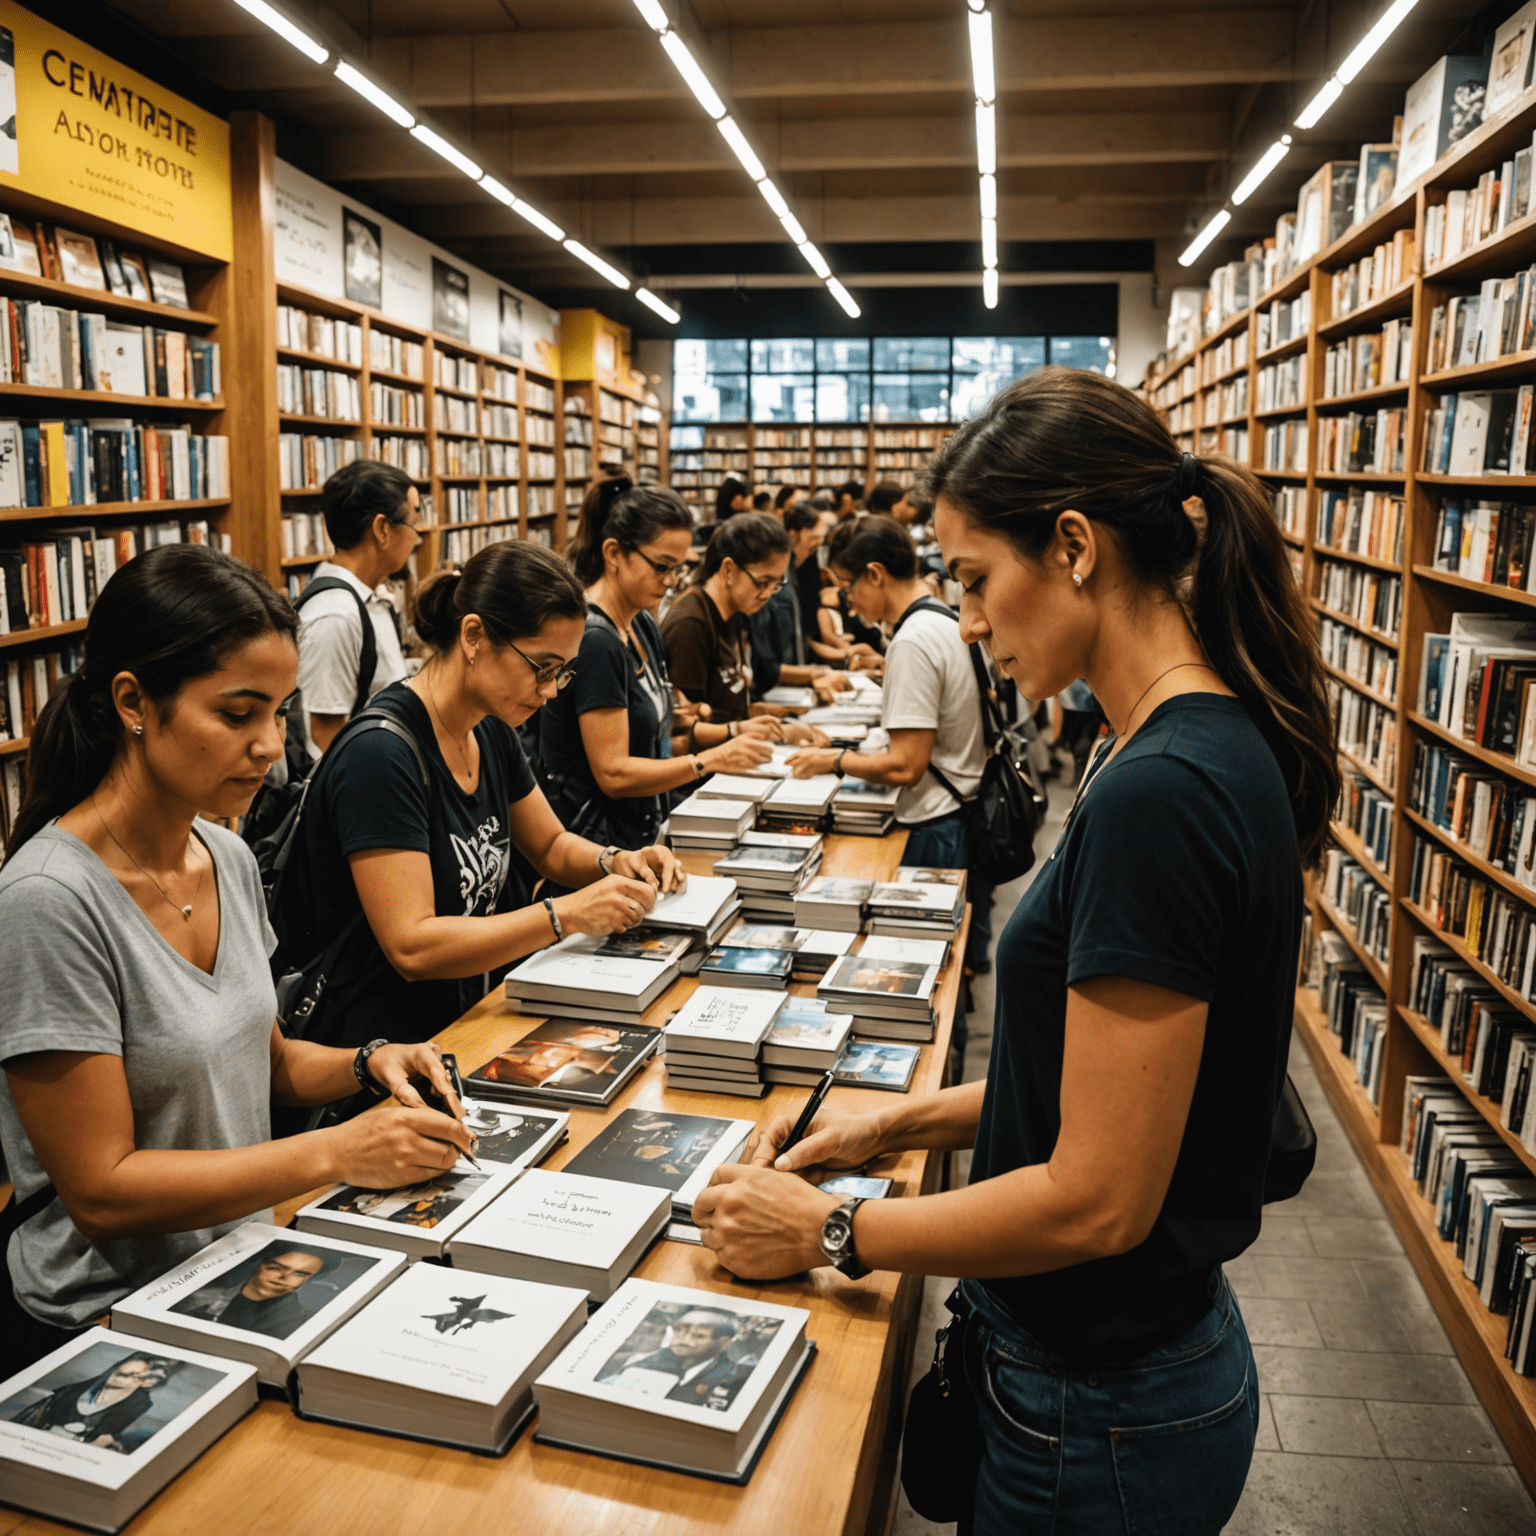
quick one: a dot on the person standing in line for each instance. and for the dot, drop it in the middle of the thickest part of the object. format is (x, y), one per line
(732, 498)
(848, 495)
(883, 497)
(786, 497)
(780, 655)
(1146, 980)
(373, 516)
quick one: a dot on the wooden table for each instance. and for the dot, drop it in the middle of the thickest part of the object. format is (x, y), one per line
(829, 1467)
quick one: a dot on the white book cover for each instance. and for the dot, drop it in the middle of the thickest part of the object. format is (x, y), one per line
(259, 1294)
(120, 366)
(729, 1021)
(698, 807)
(697, 905)
(580, 970)
(732, 786)
(808, 842)
(914, 951)
(835, 890)
(12, 486)
(1510, 70)
(814, 793)
(919, 900)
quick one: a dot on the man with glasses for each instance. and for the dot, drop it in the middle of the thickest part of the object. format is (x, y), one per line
(349, 631)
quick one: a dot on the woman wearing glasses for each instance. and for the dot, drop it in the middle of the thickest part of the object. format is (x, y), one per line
(429, 866)
(606, 749)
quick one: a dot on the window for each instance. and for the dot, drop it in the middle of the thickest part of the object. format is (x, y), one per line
(984, 364)
(1096, 353)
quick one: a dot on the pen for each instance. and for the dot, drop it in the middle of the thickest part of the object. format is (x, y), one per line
(808, 1114)
(451, 1067)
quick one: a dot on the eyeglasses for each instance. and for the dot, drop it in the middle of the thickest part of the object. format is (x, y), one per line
(768, 584)
(670, 574)
(557, 672)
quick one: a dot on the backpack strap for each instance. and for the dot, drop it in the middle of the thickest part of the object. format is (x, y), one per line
(983, 683)
(368, 661)
(380, 719)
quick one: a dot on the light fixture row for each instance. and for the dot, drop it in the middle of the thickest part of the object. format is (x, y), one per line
(984, 88)
(708, 97)
(1310, 115)
(376, 96)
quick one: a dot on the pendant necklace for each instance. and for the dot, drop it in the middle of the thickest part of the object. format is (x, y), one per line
(463, 755)
(186, 911)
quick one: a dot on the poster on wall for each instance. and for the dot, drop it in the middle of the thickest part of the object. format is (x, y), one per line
(450, 300)
(362, 262)
(509, 337)
(9, 160)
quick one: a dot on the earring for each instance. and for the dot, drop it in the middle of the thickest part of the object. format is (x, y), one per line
(1077, 578)
(471, 660)
(138, 730)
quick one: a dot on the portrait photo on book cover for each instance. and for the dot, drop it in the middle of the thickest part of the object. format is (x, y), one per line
(690, 1354)
(504, 1134)
(278, 1288)
(569, 1055)
(417, 1205)
(362, 259)
(110, 1396)
(661, 1150)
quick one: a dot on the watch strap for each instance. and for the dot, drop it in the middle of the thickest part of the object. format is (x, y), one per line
(848, 1261)
(365, 1079)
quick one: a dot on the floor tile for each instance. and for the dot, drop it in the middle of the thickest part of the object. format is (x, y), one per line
(1426, 1333)
(1287, 1235)
(1243, 1277)
(1353, 1237)
(1332, 1194)
(1361, 1325)
(1437, 1432)
(1308, 1279)
(1450, 1500)
(1359, 1373)
(1394, 1281)
(1280, 1320)
(1324, 1426)
(1294, 1495)
(1267, 1439)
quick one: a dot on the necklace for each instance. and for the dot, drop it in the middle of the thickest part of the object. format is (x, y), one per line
(186, 911)
(1153, 684)
(436, 714)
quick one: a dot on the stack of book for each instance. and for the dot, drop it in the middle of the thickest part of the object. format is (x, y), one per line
(919, 951)
(812, 951)
(560, 1063)
(704, 908)
(768, 878)
(714, 1043)
(804, 1041)
(829, 902)
(732, 965)
(793, 698)
(572, 979)
(864, 809)
(703, 822)
(795, 803)
(734, 786)
(919, 904)
(889, 999)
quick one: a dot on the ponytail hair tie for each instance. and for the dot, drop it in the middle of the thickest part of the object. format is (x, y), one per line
(1188, 476)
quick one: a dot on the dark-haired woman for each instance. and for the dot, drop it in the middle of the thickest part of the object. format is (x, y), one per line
(429, 867)
(605, 743)
(138, 1032)
(731, 498)
(1145, 980)
(709, 650)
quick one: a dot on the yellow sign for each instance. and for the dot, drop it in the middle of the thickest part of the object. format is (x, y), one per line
(78, 129)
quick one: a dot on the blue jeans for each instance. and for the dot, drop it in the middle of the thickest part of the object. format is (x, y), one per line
(942, 844)
(1156, 1446)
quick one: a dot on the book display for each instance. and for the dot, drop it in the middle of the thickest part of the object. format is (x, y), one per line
(566, 1062)
(714, 1043)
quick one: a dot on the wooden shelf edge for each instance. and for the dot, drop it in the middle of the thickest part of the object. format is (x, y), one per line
(11, 748)
(101, 300)
(1365, 770)
(1364, 689)
(1376, 562)
(1467, 584)
(109, 509)
(1465, 854)
(1364, 314)
(43, 635)
(106, 397)
(1390, 642)
(1346, 932)
(1462, 953)
(1357, 396)
(1500, 760)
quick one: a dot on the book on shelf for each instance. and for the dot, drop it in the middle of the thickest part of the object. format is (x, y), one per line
(664, 1149)
(691, 1381)
(1442, 107)
(565, 1229)
(258, 1294)
(442, 1355)
(92, 1432)
(566, 1062)
(1509, 69)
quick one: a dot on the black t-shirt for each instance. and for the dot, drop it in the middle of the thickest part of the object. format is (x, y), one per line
(807, 579)
(368, 794)
(608, 676)
(709, 658)
(1178, 868)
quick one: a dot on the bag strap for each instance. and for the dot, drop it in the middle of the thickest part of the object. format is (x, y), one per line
(368, 661)
(18, 1213)
(380, 719)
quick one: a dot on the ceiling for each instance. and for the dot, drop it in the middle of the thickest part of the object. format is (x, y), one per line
(1119, 121)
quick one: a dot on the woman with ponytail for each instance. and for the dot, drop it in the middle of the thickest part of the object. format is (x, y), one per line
(138, 1031)
(1144, 983)
(430, 867)
(606, 745)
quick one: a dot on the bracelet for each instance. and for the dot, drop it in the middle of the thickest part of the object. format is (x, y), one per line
(605, 858)
(731, 730)
(365, 1079)
(554, 921)
(837, 764)
(699, 770)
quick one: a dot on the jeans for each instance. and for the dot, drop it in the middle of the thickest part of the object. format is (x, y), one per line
(1156, 1446)
(942, 844)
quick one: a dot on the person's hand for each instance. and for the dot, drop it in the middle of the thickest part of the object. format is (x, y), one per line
(763, 727)
(394, 1145)
(609, 905)
(834, 1141)
(769, 711)
(805, 735)
(686, 714)
(655, 865)
(395, 1065)
(762, 1225)
(807, 764)
(833, 682)
(739, 752)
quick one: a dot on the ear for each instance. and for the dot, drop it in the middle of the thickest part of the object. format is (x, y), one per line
(1075, 548)
(611, 552)
(130, 702)
(381, 527)
(471, 634)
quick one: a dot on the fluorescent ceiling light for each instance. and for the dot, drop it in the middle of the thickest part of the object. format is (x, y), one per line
(815, 260)
(285, 29)
(775, 200)
(654, 15)
(371, 93)
(986, 139)
(1198, 244)
(500, 193)
(983, 75)
(977, 5)
(654, 304)
(1320, 103)
(596, 262)
(440, 146)
(989, 242)
(693, 77)
(793, 228)
(1363, 51)
(1270, 159)
(844, 298)
(989, 197)
(989, 287)
(731, 132)
(539, 221)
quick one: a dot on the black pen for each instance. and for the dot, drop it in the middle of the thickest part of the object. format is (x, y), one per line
(808, 1114)
(451, 1067)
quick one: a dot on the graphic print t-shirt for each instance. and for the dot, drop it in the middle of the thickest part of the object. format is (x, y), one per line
(369, 794)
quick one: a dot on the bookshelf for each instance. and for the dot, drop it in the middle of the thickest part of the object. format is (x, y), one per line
(1346, 459)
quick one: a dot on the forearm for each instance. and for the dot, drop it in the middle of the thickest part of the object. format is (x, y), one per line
(937, 1122)
(309, 1074)
(882, 768)
(629, 777)
(445, 948)
(570, 860)
(796, 676)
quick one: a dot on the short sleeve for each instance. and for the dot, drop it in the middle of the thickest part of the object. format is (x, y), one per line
(330, 652)
(374, 796)
(602, 667)
(61, 987)
(1153, 879)
(914, 686)
(508, 746)
(689, 644)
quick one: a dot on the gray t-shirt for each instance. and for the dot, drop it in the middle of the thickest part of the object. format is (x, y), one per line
(86, 971)
(930, 686)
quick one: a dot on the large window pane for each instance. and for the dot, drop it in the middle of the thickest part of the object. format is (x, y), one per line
(723, 356)
(714, 397)
(793, 355)
(783, 397)
(901, 354)
(984, 364)
(911, 396)
(1093, 352)
(842, 397)
(838, 354)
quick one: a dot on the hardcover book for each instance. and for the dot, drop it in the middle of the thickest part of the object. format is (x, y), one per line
(417, 1220)
(79, 262)
(566, 1061)
(923, 952)
(724, 1021)
(699, 907)
(740, 967)
(806, 1035)
(570, 973)
(663, 1149)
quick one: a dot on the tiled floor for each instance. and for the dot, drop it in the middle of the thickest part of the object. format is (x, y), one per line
(1369, 1426)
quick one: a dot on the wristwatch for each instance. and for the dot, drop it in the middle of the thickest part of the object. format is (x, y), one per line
(836, 1240)
(605, 858)
(365, 1079)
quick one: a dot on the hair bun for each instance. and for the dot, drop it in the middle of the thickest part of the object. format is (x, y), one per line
(437, 615)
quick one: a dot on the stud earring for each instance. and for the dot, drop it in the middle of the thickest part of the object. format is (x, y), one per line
(138, 730)
(471, 661)
(1077, 578)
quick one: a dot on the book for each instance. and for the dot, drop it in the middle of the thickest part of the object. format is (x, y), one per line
(806, 1034)
(565, 1229)
(830, 902)
(79, 262)
(694, 1081)
(700, 907)
(566, 1061)
(258, 1294)
(167, 283)
(724, 1021)
(918, 951)
(930, 905)
(733, 786)
(887, 998)
(664, 1149)
(730, 966)
(719, 818)
(1441, 108)
(692, 1381)
(1509, 70)
(441, 1355)
(93, 1431)
(661, 947)
(571, 972)
(877, 1064)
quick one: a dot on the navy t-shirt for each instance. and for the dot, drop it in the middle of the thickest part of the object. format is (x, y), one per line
(368, 794)
(1178, 868)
